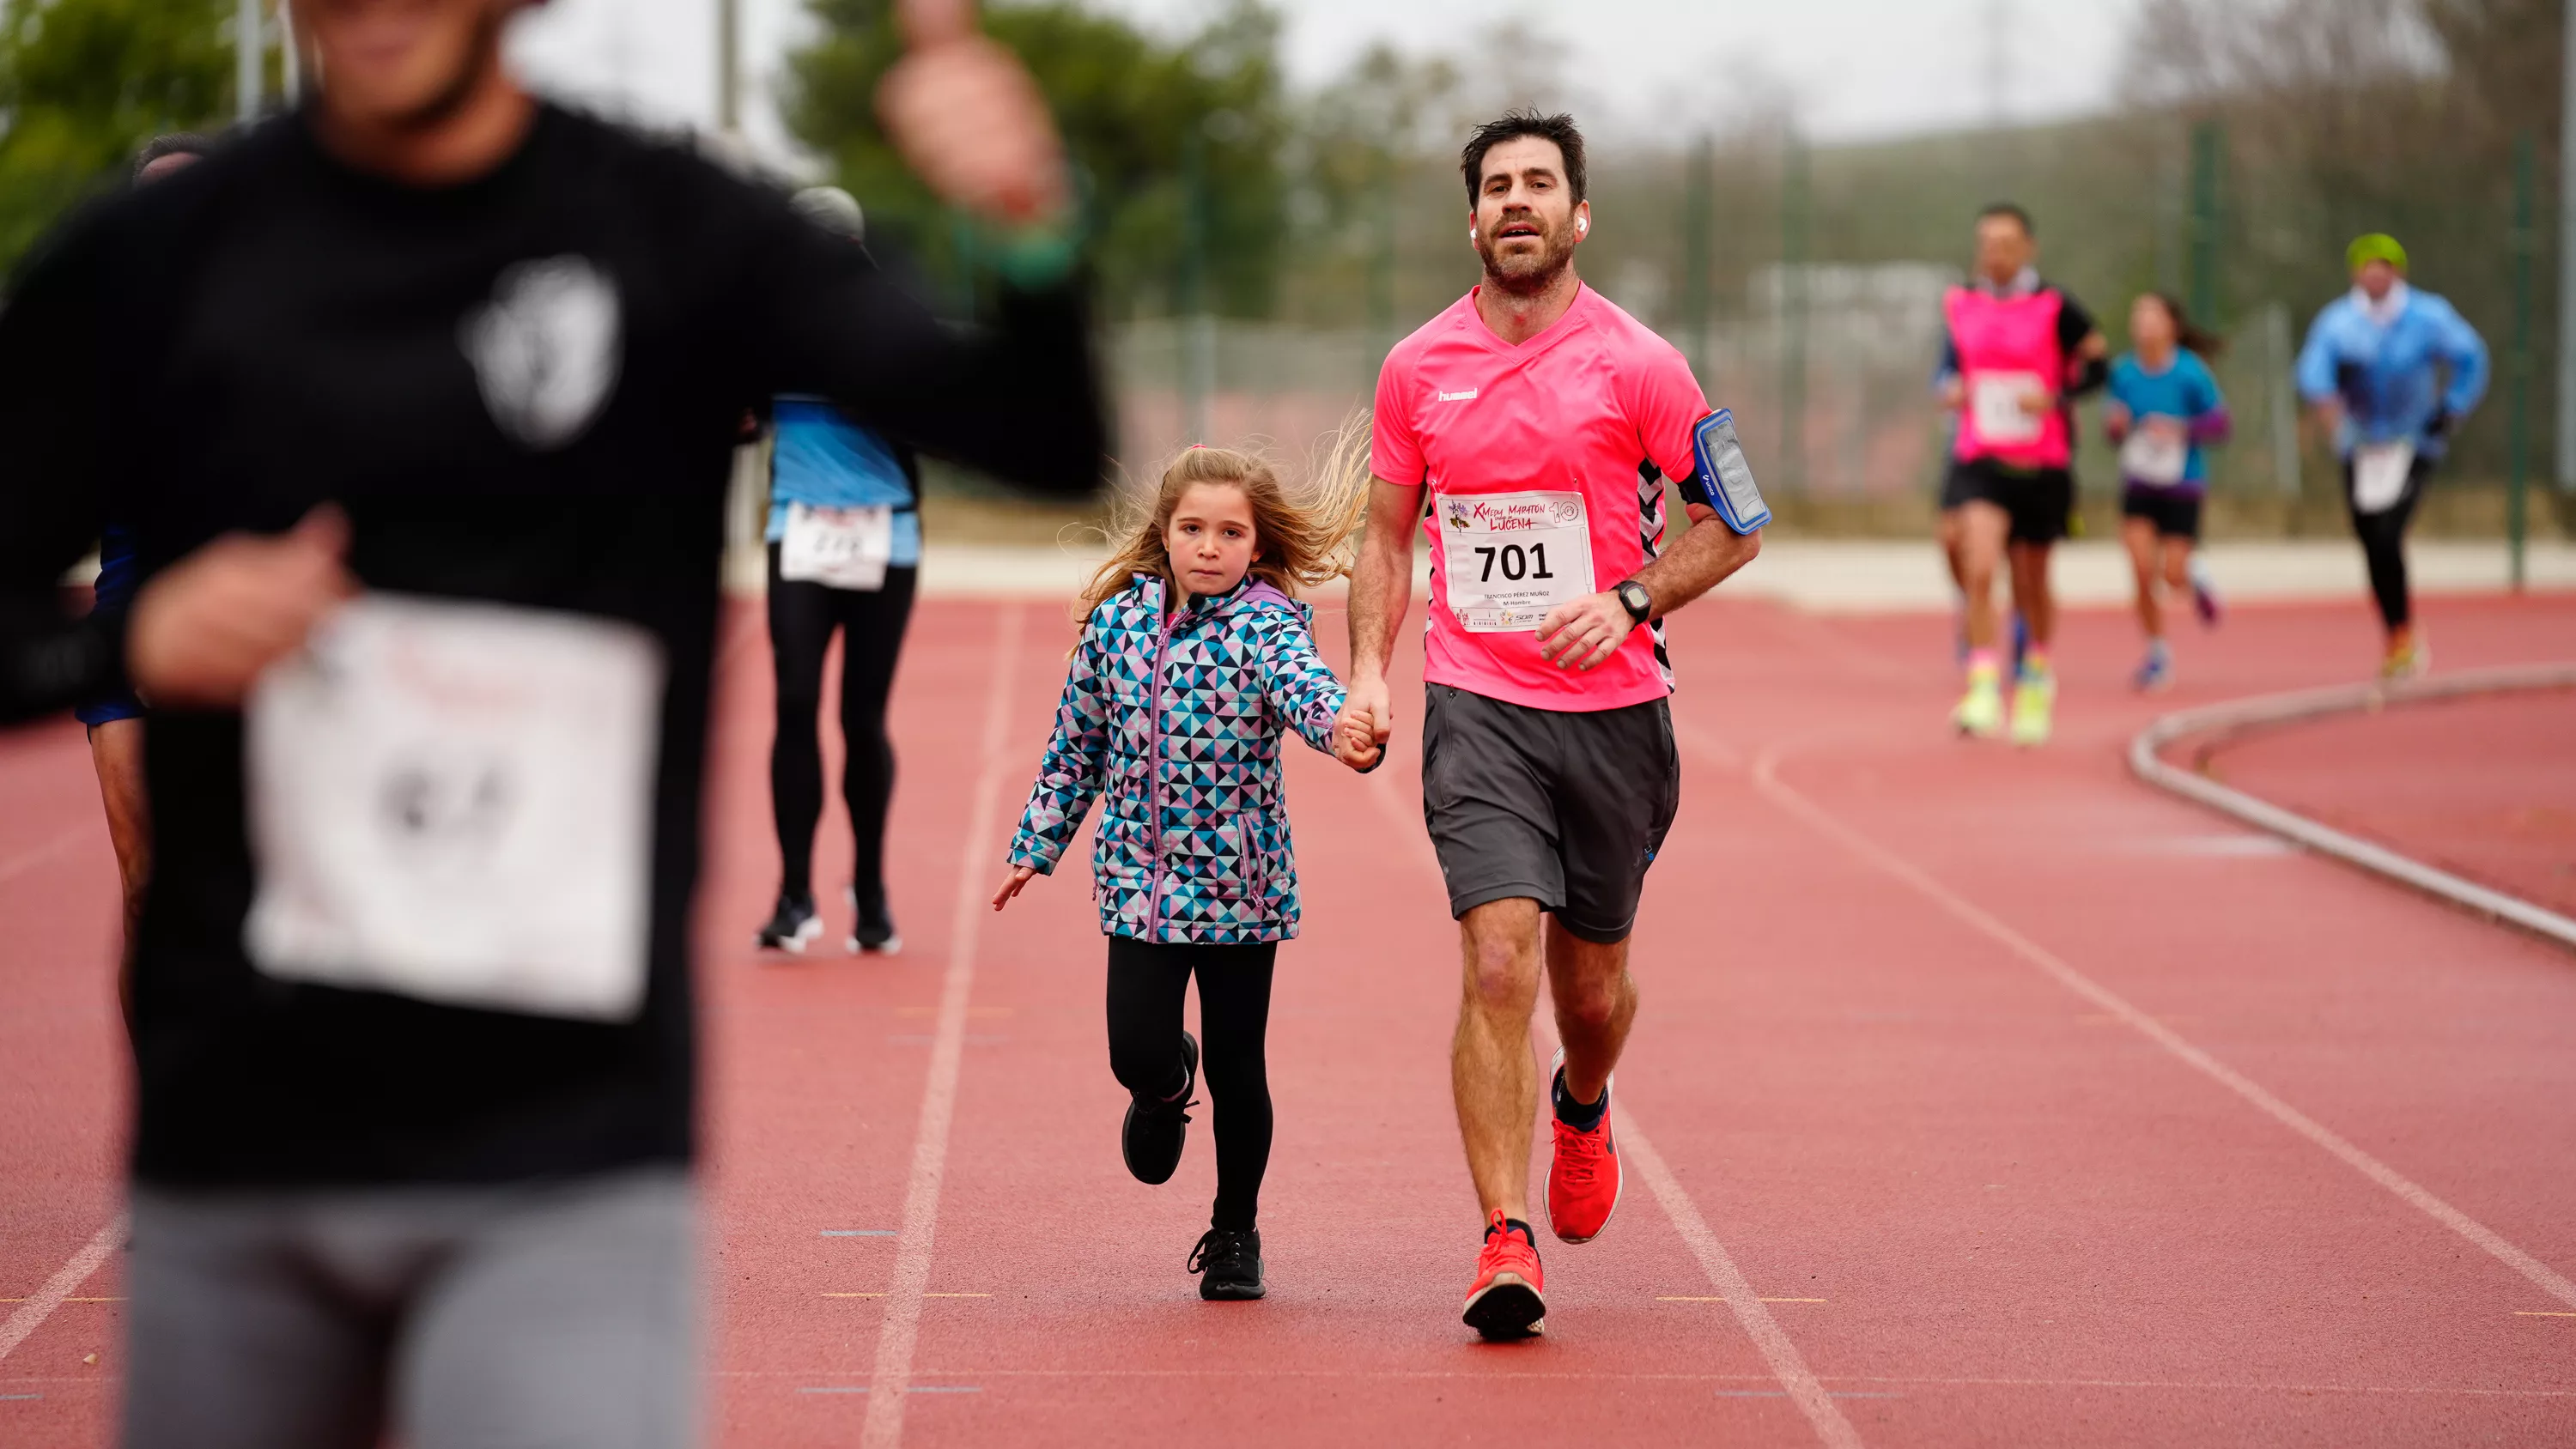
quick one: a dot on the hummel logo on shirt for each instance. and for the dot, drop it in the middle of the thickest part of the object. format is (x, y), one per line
(1468, 396)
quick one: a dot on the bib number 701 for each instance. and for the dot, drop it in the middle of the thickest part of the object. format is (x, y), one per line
(1516, 562)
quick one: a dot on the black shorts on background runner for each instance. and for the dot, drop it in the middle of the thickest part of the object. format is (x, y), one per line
(1563, 807)
(2040, 500)
(2174, 511)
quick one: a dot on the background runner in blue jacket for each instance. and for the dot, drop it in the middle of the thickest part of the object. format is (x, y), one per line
(2374, 370)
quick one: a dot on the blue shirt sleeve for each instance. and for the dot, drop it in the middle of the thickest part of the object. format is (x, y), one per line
(2466, 352)
(2316, 369)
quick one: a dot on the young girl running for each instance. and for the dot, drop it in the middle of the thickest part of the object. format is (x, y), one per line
(1194, 660)
(2164, 406)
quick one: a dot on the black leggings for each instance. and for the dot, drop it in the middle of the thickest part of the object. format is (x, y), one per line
(1147, 980)
(2383, 542)
(802, 617)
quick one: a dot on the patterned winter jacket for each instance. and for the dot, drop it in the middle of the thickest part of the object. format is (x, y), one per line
(1179, 722)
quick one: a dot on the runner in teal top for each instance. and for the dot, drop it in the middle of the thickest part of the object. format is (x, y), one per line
(2164, 408)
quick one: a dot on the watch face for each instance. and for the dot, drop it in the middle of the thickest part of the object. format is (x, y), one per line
(1634, 596)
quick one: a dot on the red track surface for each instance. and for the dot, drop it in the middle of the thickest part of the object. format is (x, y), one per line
(2036, 1103)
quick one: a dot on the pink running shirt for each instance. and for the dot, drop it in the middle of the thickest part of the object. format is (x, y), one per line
(1596, 404)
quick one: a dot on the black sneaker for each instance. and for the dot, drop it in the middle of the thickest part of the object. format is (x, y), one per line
(1229, 1264)
(793, 928)
(875, 930)
(1151, 1140)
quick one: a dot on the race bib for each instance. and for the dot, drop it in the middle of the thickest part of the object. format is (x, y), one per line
(2379, 473)
(454, 802)
(1994, 398)
(1511, 557)
(841, 548)
(2153, 457)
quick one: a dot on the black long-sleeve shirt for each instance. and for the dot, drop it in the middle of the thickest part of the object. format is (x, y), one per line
(271, 329)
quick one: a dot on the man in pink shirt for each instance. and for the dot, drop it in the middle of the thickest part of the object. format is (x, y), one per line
(1544, 421)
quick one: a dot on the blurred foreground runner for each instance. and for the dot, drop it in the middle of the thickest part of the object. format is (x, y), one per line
(2373, 370)
(419, 404)
(2020, 350)
(1544, 421)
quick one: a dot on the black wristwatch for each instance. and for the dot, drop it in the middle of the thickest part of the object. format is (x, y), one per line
(1634, 598)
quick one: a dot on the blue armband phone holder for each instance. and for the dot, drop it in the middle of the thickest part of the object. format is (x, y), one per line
(1725, 480)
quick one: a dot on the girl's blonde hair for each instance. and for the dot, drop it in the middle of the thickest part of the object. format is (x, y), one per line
(1301, 535)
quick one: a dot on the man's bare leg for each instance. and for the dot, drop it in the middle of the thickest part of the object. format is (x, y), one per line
(1983, 527)
(116, 751)
(2032, 596)
(1596, 1004)
(1492, 1071)
(1949, 532)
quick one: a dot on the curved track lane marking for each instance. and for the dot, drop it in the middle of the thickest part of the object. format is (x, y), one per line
(901, 1327)
(2146, 760)
(1788, 1366)
(71, 1275)
(1767, 781)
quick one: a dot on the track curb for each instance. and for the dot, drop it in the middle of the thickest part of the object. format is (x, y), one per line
(2148, 763)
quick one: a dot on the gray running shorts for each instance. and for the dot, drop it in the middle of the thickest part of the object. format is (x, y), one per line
(1563, 807)
(558, 1314)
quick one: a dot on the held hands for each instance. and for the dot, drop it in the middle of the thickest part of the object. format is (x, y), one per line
(969, 120)
(1581, 634)
(2116, 420)
(1355, 741)
(204, 630)
(1012, 884)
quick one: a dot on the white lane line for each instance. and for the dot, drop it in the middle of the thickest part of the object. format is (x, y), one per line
(71, 1275)
(902, 1324)
(45, 854)
(1788, 1366)
(1766, 780)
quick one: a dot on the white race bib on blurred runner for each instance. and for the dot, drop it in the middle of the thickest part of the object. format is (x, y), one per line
(841, 548)
(1511, 557)
(1995, 399)
(454, 802)
(2152, 456)
(2379, 474)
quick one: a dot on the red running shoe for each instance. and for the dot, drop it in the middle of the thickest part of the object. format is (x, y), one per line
(1583, 1175)
(1505, 1302)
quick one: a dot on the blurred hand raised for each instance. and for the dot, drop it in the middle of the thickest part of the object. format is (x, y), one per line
(204, 630)
(969, 119)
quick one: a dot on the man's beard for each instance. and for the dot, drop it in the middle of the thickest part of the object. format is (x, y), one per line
(1528, 275)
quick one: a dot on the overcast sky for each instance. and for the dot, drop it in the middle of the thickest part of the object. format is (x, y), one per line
(1853, 67)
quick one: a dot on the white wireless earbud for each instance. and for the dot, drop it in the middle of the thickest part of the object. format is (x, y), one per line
(1582, 225)
(1471, 233)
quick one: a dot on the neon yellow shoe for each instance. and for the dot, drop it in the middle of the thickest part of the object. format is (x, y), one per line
(2033, 701)
(1981, 710)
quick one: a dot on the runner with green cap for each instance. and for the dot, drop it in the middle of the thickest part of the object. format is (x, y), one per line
(2389, 371)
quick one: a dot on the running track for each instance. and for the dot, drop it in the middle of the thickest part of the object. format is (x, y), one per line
(1979, 1097)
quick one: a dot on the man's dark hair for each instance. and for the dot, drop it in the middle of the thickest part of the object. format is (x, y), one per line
(2020, 217)
(176, 143)
(1512, 126)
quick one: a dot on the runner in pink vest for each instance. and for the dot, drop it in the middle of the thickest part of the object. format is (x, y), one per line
(2020, 351)
(1544, 422)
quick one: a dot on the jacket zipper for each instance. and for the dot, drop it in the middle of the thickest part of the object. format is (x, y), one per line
(1154, 770)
